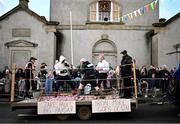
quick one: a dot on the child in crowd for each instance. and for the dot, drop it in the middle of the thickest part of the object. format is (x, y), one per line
(49, 83)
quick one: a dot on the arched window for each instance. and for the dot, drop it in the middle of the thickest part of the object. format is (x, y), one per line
(107, 47)
(104, 11)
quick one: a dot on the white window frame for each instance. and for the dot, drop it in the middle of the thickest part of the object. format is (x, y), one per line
(111, 13)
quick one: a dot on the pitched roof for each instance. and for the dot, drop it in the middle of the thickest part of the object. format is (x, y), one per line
(168, 21)
(26, 9)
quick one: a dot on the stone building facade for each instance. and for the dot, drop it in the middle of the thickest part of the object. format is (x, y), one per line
(166, 42)
(95, 30)
(23, 34)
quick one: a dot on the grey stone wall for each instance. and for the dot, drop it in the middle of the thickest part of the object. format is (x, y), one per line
(133, 41)
(60, 9)
(168, 37)
(20, 20)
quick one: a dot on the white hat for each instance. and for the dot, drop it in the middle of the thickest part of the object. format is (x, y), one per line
(83, 60)
(61, 58)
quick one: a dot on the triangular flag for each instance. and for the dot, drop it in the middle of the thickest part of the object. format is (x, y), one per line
(139, 11)
(142, 10)
(125, 17)
(135, 13)
(122, 19)
(147, 8)
(156, 3)
(131, 14)
(152, 5)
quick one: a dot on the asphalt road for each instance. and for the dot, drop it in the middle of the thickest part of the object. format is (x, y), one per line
(145, 113)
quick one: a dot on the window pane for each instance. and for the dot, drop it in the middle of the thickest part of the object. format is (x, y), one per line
(101, 11)
(93, 12)
(104, 16)
(116, 12)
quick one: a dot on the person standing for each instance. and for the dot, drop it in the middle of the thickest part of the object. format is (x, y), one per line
(62, 74)
(29, 75)
(165, 75)
(126, 73)
(89, 77)
(102, 69)
(7, 75)
(20, 83)
(49, 83)
(152, 74)
(42, 73)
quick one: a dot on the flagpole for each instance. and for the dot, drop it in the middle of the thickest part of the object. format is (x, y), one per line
(72, 55)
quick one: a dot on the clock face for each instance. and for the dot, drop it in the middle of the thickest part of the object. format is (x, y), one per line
(104, 6)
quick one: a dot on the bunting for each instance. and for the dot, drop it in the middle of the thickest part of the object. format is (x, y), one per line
(151, 6)
(147, 8)
(135, 13)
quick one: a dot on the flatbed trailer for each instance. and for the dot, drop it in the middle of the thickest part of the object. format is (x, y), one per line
(83, 105)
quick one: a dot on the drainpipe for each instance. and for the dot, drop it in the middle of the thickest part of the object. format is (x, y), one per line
(149, 36)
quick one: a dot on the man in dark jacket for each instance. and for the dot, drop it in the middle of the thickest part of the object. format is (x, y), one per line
(89, 76)
(29, 75)
(126, 72)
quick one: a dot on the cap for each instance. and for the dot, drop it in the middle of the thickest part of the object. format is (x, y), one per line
(83, 60)
(123, 52)
(44, 64)
(33, 58)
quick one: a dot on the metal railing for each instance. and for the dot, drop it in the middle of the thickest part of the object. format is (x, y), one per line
(117, 83)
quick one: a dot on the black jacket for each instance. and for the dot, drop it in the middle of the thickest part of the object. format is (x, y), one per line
(87, 68)
(126, 69)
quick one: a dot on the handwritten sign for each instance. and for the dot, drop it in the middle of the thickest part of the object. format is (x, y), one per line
(56, 107)
(115, 105)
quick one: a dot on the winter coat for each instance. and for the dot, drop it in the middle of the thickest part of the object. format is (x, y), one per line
(126, 70)
(62, 67)
(87, 68)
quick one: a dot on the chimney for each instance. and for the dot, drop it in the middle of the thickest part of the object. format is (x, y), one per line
(24, 3)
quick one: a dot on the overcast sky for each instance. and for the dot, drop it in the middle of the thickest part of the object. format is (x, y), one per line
(168, 8)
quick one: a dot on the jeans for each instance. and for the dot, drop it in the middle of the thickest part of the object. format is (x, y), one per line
(48, 86)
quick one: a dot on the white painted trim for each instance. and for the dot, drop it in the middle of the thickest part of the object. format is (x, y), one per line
(97, 11)
(111, 14)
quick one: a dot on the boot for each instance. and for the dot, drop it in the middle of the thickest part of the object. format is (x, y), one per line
(102, 96)
(55, 94)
